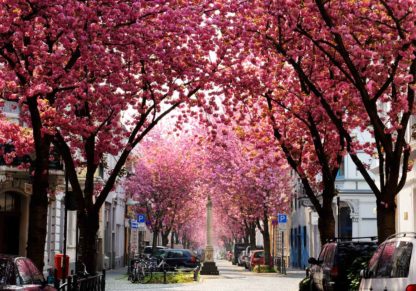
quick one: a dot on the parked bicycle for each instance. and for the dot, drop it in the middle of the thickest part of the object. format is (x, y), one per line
(143, 269)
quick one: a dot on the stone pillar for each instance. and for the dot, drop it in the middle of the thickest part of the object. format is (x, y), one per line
(209, 267)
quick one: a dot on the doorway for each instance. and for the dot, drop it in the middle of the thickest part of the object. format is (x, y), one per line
(345, 222)
(10, 222)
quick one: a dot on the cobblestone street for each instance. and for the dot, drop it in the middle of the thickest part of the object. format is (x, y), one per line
(232, 278)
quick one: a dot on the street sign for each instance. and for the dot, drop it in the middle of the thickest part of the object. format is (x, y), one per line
(134, 241)
(281, 218)
(282, 226)
(134, 224)
(141, 218)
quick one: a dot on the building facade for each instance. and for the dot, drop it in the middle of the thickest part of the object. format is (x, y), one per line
(354, 211)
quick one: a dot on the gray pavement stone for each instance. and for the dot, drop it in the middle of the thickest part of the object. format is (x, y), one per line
(231, 278)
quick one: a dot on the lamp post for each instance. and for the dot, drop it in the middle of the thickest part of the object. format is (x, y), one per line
(209, 267)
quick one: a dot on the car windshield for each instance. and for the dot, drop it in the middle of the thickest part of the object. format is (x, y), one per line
(28, 272)
(259, 254)
(6, 272)
(160, 253)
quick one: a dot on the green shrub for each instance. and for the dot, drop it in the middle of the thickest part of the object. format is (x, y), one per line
(172, 278)
(263, 269)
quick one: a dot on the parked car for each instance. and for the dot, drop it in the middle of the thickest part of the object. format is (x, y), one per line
(180, 258)
(336, 260)
(148, 250)
(249, 250)
(237, 249)
(241, 258)
(392, 266)
(20, 273)
(256, 258)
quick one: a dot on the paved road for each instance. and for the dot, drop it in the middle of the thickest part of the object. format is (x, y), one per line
(232, 278)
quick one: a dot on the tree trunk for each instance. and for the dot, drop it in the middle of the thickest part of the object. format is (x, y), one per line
(38, 211)
(266, 242)
(326, 224)
(386, 217)
(165, 238)
(252, 236)
(88, 227)
(154, 241)
(172, 239)
(38, 214)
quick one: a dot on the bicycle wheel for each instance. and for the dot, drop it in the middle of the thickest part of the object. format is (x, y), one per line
(145, 275)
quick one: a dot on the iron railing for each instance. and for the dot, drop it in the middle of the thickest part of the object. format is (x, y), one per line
(89, 283)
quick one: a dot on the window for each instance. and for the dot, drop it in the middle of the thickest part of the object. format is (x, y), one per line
(9, 202)
(341, 170)
(29, 274)
(394, 261)
(10, 107)
(322, 255)
(7, 273)
(329, 255)
(304, 236)
(372, 264)
(259, 254)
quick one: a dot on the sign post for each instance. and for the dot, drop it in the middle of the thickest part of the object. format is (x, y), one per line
(282, 220)
(134, 225)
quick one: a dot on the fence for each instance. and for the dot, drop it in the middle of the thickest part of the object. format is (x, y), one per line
(89, 283)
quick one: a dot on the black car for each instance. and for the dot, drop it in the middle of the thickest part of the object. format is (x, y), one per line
(148, 250)
(337, 260)
(19, 273)
(180, 258)
(237, 249)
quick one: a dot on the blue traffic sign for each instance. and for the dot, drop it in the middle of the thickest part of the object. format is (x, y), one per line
(134, 224)
(141, 218)
(281, 218)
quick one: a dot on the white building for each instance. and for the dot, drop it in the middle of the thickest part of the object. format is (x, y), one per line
(406, 199)
(355, 216)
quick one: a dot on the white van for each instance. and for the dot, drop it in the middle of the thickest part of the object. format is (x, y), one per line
(393, 265)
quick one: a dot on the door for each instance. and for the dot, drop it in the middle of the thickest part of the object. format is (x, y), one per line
(9, 223)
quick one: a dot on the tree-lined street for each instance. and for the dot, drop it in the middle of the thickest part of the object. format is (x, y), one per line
(232, 278)
(120, 121)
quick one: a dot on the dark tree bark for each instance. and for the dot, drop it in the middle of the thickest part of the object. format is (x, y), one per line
(172, 239)
(252, 234)
(165, 238)
(88, 227)
(264, 229)
(38, 210)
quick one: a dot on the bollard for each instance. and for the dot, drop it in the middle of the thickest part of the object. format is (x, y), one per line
(165, 281)
(55, 279)
(103, 281)
(74, 284)
(69, 288)
(196, 271)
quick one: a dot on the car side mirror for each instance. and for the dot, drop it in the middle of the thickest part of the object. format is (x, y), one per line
(365, 273)
(313, 261)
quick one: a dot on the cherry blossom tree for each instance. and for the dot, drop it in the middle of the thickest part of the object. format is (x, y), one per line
(358, 60)
(76, 67)
(163, 185)
(255, 179)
